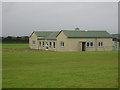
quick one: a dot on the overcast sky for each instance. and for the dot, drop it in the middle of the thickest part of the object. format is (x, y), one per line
(22, 18)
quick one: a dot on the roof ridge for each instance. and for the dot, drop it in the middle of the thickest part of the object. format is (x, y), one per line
(76, 34)
(84, 30)
(45, 31)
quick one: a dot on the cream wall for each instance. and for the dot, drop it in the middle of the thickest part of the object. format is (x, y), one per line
(31, 39)
(71, 44)
(62, 38)
(37, 44)
(76, 44)
(108, 45)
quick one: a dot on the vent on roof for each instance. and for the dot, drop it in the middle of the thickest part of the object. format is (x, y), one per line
(40, 37)
(77, 29)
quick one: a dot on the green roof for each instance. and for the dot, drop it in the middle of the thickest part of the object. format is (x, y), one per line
(86, 34)
(42, 33)
(51, 35)
(48, 35)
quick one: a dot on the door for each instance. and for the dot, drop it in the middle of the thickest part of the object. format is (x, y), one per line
(83, 46)
(116, 46)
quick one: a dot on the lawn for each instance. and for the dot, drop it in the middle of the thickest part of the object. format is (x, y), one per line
(24, 68)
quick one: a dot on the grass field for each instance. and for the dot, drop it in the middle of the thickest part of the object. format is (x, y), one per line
(24, 68)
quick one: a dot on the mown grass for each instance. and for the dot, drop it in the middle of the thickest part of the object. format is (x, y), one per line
(24, 68)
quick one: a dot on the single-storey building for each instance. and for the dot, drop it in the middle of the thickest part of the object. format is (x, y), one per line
(71, 40)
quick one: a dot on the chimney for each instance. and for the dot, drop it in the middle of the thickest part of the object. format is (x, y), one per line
(77, 29)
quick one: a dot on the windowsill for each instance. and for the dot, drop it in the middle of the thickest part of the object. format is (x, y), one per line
(90, 47)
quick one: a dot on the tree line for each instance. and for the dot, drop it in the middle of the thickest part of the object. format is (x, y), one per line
(12, 39)
(25, 39)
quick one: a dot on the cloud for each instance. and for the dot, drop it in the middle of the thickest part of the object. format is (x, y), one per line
(23, 18)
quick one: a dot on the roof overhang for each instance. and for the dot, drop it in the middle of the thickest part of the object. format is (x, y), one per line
(89, 37)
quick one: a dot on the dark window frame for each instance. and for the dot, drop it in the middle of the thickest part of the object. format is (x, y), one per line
(40, 43)
(50, 43)
(89, 44)
(100, 44)
(54, 45)
(33, 42)
(62, 44)
(43, 43)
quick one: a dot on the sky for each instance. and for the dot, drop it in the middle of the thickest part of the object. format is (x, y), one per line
(0, 18)
(22, 18)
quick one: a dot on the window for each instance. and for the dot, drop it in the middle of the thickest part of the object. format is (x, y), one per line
(43, 44)
(50, 44)
(33, 42)
(100, 44)
(40, 43)
(62, 44)
(89, 44)
(53, 44)
(46, 43)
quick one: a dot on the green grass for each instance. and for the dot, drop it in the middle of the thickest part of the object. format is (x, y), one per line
(24, 68)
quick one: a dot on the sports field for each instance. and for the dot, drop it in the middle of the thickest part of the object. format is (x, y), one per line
(25, 68)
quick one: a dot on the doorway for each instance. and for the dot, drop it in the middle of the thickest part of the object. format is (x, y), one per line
(83, 46)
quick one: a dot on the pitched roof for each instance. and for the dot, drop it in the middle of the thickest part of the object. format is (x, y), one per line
(86, 34)
(42, 33)
(48, 35)
(51, 35)
(116, 36)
